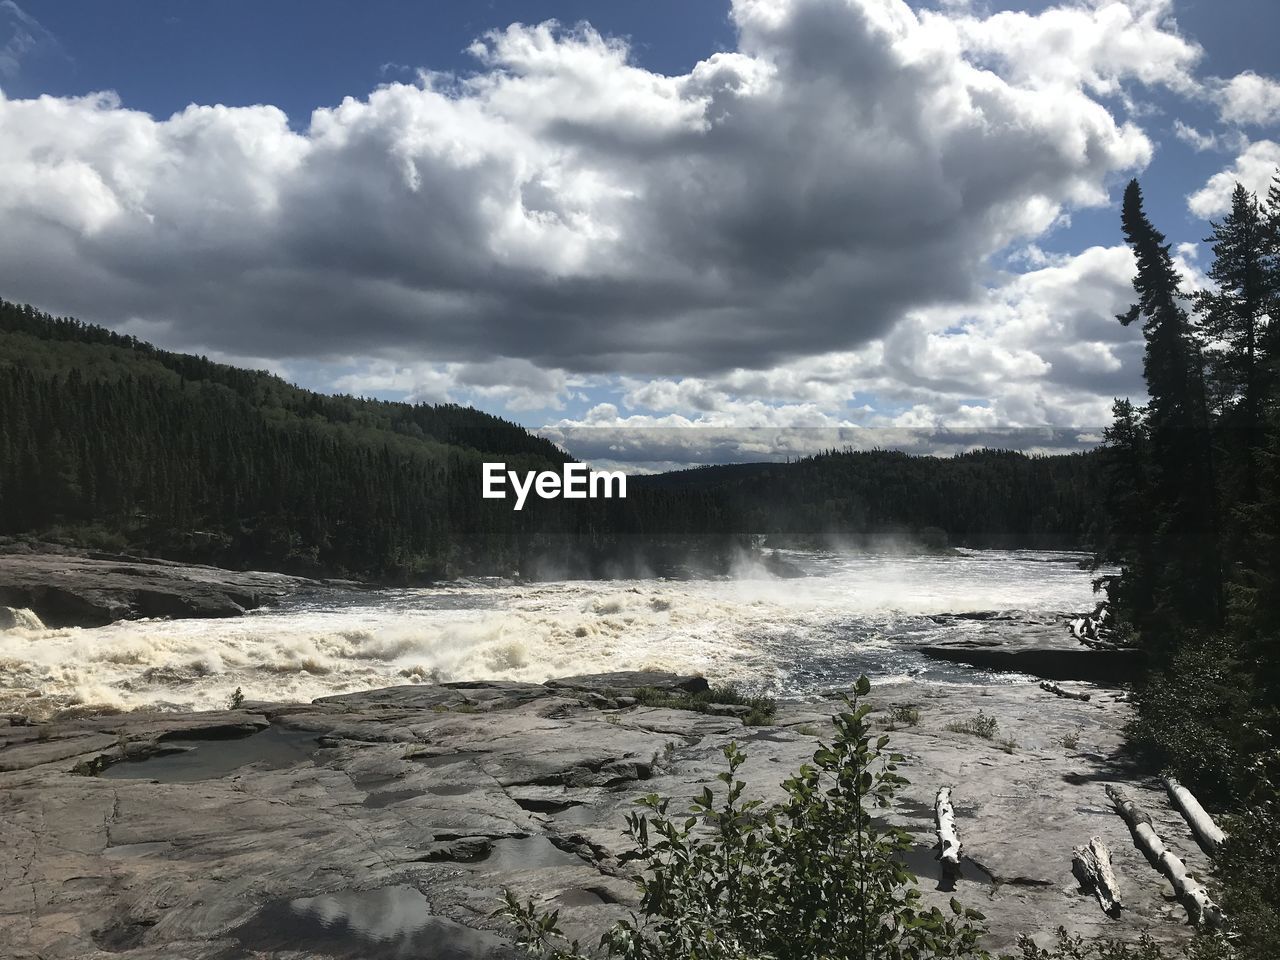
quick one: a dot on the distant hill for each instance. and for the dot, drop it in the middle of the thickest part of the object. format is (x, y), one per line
(108, 442)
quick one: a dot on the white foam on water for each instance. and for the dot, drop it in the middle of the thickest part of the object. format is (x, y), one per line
(730, 628)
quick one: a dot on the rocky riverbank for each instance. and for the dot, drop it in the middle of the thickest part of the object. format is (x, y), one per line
(386, 823)
(91, 590)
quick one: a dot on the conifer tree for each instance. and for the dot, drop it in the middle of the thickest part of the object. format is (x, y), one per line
(1188, 586)
(1233, 321)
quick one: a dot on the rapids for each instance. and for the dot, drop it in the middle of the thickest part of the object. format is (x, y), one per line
(792, 637)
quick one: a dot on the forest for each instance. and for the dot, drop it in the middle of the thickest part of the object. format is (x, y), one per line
(1192, 519)
(110, 443)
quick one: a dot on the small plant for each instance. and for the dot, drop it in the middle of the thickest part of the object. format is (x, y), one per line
(906, 714)
(1071, 947)
(816, 875)
(237, 700)
(980, 726)
(762, 709)
(1070, 739)
(1008, 744)
(808, 729)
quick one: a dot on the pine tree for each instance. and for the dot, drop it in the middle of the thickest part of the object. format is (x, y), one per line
(1188, 587)
(1233, 320)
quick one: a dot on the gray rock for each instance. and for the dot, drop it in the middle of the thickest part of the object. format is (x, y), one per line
(87, 591)
(632, 680)
(454, 793)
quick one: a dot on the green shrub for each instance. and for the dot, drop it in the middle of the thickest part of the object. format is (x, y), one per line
(906, 714)
(980, 726)
(1195, 717)
(815, 876)
(1071, 947)
(762, 709)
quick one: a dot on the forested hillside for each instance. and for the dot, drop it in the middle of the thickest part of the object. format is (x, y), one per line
(109, 442)
(981, 499)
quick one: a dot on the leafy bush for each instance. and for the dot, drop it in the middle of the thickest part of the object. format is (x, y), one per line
(1194, 718)
(980, 726)
(1071, 947)
(815, 877)
(1251, 883)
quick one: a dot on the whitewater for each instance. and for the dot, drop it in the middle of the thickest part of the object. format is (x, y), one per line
(845, 615)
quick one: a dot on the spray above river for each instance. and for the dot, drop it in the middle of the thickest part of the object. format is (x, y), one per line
(846, 614)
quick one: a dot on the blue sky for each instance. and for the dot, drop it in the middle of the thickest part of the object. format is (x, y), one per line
(676, 257)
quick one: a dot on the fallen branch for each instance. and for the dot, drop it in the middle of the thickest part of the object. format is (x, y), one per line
(1200, 907)
(1092, 867)
(1208, 834)
(1060, 692)
(948, 839)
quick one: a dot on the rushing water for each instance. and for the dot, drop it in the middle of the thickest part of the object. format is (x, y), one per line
(847, 614)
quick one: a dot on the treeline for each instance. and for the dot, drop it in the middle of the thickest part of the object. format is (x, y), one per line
(985, 498)
(1193, 519)
(109, 442)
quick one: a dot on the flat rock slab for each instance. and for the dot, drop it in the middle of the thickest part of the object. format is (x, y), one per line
(1042, 648)
(91, 591)
(402, 814)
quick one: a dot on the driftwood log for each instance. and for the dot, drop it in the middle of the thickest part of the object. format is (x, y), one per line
(1092, 866)
(1208, 834)
(1060, 692)
(1200, 907)
(948, 839)
(1092, 629)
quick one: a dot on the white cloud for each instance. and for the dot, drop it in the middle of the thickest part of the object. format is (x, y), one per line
(1098, 45)
(1198, 141)
(512, 383)
(1249, 98)
(850, 163)
(1255, 168)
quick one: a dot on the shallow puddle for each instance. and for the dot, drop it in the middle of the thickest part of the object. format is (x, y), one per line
(389, 923)
(386, 798)
(274, 748)
(528, 853)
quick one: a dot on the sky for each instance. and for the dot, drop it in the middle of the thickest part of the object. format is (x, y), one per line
(660, 232)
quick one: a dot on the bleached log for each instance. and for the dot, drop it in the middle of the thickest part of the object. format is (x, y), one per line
(1061, 692)
(1199, 905)
(949, 845)
(1076, 626)
(1208, 834)
(1092, 866)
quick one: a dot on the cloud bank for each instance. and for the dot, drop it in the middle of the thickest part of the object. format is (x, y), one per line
(802, 231)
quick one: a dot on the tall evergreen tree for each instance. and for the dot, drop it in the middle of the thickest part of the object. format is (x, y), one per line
(1188, 587)
(1233, 320)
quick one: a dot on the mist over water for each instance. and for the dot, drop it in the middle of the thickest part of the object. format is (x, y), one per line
(847, 614)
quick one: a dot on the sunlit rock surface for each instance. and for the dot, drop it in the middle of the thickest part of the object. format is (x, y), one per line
(387, 823)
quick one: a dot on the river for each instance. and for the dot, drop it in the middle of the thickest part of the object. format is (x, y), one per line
(846, 614)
